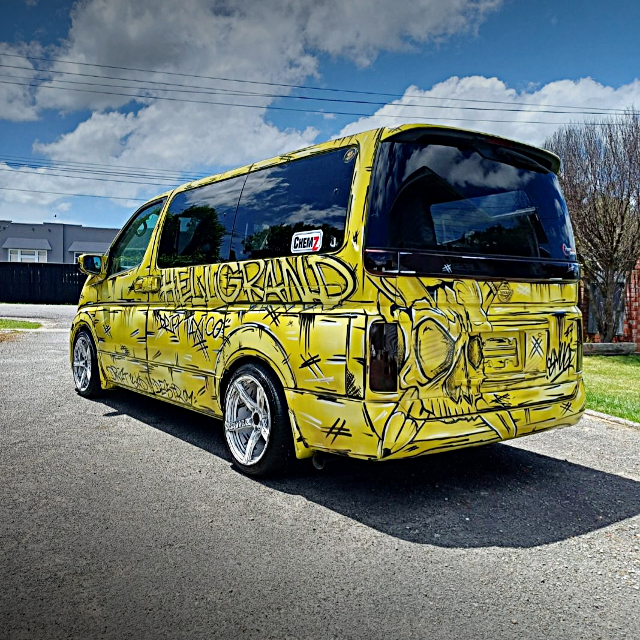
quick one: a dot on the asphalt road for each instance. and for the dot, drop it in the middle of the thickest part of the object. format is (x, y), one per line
(123, 518)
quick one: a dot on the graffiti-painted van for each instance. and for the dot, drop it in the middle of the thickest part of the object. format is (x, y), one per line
(391, 294)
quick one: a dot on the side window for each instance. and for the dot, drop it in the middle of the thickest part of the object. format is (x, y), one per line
(311, 194)
(132, 244)
(197, 226)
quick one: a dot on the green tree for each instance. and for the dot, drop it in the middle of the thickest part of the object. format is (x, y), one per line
(600, 177)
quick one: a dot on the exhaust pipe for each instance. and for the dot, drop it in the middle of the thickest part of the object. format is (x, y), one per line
(318, 460)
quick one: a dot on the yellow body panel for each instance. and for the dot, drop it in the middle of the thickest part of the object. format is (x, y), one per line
(175, 333)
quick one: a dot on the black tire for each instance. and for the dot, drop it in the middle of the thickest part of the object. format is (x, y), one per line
(270, 455)
(86, 375)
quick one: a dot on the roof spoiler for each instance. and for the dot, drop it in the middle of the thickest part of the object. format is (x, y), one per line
(445, 135)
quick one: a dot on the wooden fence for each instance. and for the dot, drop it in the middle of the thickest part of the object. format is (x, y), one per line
(46, 283)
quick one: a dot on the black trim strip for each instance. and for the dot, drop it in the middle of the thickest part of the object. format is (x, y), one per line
(447, 265)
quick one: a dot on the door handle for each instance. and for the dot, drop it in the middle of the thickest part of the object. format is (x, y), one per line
(147, 284)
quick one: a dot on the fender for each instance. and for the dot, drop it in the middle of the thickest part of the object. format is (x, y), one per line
(257, 340)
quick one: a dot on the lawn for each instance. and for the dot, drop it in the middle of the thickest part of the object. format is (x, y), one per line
(7, 323)
(613, 385)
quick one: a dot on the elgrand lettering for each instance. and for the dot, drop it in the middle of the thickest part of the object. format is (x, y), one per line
(300, 278)
(305, 279)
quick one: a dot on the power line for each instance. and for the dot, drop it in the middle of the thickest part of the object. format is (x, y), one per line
(199, 89)
(37, 164)
(72, 177)
(206, 91)
(108, 169)
(317, 111)
(75, 195)
(282, 84)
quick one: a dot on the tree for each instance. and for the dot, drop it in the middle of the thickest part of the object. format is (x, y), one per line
(600, 177)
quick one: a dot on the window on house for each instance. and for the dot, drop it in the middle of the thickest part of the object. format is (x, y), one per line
(27, 255)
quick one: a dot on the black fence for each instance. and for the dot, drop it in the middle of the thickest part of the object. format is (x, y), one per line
(45, 283)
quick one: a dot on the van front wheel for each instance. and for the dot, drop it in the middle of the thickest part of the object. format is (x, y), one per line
(256, 422)
(85, 365)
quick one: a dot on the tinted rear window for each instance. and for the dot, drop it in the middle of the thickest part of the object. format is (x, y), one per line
(445, 198)
(310, 194)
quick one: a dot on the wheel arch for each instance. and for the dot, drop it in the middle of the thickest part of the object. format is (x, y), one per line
(84, 321)
(81, 321)
(258, 345)
(252, 342)
(246, 357)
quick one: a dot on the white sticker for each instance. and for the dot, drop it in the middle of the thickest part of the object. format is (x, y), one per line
(306, 241)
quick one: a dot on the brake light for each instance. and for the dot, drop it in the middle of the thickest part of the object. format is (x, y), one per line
(383, 363)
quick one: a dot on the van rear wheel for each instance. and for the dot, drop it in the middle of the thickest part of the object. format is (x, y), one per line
(256, 422)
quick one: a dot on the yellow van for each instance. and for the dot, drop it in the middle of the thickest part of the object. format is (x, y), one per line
(387, 295)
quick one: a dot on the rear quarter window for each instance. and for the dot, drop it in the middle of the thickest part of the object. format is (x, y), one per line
(306, 195)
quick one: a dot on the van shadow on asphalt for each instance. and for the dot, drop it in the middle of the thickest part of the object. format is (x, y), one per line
(495, 495)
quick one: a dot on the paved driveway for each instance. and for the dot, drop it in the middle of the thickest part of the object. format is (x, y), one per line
(122, 518)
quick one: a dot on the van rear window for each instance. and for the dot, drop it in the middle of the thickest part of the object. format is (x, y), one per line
(465, 200)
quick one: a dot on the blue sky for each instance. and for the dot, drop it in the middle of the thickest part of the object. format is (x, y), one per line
(579, 54)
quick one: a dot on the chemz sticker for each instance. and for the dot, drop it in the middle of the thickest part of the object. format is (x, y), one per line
(306, 241)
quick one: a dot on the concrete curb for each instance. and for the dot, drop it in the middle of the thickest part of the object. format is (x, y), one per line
(609, 348)
(608, 418)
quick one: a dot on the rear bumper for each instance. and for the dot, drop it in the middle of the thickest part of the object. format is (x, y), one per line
(406, 429)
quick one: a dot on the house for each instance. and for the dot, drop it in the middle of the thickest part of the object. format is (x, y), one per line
(51, 241)
(629, 328)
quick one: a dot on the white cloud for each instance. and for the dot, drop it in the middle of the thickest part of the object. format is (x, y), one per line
(360, 29)
(16, 100)
(165, 136)
(27, 187)
(159, 137)
(269, 41)
(585, 93)
(202, 37)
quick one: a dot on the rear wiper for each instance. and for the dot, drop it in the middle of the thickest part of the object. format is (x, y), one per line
(509, 156)
(521, 158)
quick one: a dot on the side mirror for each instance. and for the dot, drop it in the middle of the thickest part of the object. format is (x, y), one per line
(92, 265)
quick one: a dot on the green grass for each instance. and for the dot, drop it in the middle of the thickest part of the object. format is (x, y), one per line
(613, 385)
(6, 323)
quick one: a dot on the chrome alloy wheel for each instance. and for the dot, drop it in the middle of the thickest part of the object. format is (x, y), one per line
(247, 420)
(82, 363)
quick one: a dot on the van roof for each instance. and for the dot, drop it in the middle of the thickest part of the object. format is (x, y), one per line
(404, 132)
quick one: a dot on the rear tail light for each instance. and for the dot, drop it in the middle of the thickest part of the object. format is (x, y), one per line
(383, 369)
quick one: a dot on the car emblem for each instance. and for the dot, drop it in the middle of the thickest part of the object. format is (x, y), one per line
(447, 268)
(505, 292)
(350, 155)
